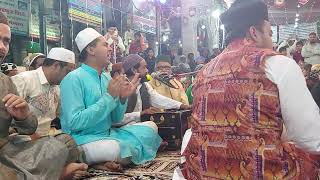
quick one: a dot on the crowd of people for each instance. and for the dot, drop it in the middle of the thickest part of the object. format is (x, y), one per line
(255, 104)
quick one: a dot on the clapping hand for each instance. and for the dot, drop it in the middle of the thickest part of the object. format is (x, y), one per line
(127, 87)
(16, 107)
(115, 86)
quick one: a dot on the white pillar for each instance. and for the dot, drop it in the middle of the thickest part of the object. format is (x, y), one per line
(214, 34)
(189, 26)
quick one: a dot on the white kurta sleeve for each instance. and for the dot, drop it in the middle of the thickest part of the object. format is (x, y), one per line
(121, 45)
(292, 48)
(162, 102)
(21, 85)
(299, 111)
(134, 116)
(317, 49)
(307, 52)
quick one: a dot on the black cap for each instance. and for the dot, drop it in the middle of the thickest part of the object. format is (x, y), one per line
(243, 14)
(112, 24)
(130, 61)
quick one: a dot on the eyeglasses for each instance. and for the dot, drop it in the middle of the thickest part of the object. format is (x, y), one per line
(164, 67)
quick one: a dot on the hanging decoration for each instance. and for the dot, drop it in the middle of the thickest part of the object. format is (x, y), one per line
(86, 11)
(52, 23)
(303, 2)
(17, 13)
(279, 3)
(311, 10)
(144, 16)
(192, 11)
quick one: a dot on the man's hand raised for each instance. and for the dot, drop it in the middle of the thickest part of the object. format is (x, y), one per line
(129, 88)
(16, 107)
(150, 111)
(115, 86)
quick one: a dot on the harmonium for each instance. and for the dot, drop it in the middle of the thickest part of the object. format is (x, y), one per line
(172, 125)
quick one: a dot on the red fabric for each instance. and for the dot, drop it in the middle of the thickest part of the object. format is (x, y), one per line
(135, 48)
(297, 57)
(237, 123)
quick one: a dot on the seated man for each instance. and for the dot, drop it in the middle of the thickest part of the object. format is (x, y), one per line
(163, 66)
(91, 102)
(311, 50)
(183, 65)
(40, 87)
(146, 100)
(33, 61)
(46, 158)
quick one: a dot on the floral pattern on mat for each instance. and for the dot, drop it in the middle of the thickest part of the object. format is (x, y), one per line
(160, 168)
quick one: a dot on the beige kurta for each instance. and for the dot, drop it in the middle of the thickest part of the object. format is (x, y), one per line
(43, 98)
(40, 159)
(175, 94)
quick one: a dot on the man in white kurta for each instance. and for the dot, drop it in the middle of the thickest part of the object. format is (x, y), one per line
(146, 100)
(311, 50)
(40, 87)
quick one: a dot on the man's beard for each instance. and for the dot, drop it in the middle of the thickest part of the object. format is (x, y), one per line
(143, 79)
(2, 58)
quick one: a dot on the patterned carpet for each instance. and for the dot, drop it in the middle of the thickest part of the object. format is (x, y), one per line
(161, 169)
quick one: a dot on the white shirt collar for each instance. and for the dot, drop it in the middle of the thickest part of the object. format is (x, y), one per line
(42, 77)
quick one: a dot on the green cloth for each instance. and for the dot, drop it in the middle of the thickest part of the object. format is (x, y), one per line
(189, 94)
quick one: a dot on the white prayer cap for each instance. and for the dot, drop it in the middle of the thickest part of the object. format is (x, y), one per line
(85, 37)
(62, 54)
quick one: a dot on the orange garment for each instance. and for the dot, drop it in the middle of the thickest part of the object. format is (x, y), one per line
(237, 122)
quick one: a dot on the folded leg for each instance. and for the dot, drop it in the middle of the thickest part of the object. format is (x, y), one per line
(103, 151)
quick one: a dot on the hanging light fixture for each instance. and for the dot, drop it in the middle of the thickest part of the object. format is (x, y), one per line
(303, 2)
(216, 13)
(163, 1)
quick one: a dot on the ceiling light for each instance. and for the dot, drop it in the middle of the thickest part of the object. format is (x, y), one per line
(216, 13)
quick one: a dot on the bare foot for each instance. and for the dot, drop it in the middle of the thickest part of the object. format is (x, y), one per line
(74, 171)
(109, 166)
(163, 146)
